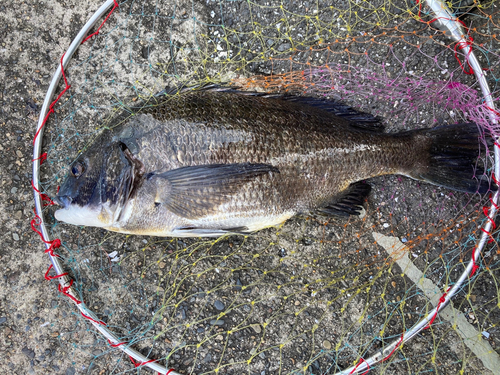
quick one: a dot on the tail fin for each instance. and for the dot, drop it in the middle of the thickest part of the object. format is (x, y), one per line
(453, 155)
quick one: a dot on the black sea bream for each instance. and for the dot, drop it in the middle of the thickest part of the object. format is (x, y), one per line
(208, 162)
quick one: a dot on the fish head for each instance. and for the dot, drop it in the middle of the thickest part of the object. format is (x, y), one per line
(96, 186)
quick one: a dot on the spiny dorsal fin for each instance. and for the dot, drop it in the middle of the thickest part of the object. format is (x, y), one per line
(360, 120)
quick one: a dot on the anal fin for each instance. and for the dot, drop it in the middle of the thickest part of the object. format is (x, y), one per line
(350, 202)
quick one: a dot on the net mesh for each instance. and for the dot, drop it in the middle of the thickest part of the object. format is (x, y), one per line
(318, 294)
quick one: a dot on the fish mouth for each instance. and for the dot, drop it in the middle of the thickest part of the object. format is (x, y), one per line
(64, 201)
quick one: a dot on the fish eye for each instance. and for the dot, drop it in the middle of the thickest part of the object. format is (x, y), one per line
(77, 169)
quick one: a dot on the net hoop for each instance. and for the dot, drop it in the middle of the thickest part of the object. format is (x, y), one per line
(445, 20)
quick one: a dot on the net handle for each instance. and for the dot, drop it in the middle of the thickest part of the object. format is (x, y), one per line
(453, 29)
(65, 282)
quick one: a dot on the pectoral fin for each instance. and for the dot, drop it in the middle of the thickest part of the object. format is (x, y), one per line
(350, 202)
(197, 191)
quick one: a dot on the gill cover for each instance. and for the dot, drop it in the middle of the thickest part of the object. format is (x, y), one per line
(98, 184)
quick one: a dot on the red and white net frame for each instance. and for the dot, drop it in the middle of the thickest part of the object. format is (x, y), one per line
(443, 18)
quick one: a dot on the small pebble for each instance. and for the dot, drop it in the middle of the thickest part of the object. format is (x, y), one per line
(28, 352)
(284, 47)
(15, 236)
(217, 322)
(13, 190)
(238, 285)
(219, 305)
(257, 328)
(3, 319)
(327, 345)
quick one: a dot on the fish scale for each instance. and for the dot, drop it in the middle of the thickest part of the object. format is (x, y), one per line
(207, 162)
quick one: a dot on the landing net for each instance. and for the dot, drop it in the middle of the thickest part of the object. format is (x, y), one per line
(318, 295)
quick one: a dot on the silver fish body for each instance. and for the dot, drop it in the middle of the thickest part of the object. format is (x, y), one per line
(209, 162)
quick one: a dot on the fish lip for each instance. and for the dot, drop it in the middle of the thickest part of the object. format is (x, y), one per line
(64, 201)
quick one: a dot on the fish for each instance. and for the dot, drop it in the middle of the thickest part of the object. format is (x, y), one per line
(213, 161)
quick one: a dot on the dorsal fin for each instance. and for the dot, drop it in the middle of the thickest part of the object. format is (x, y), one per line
(360, 120)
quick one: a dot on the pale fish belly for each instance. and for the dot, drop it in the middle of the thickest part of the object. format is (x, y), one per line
(253, 222)
(207, 226)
